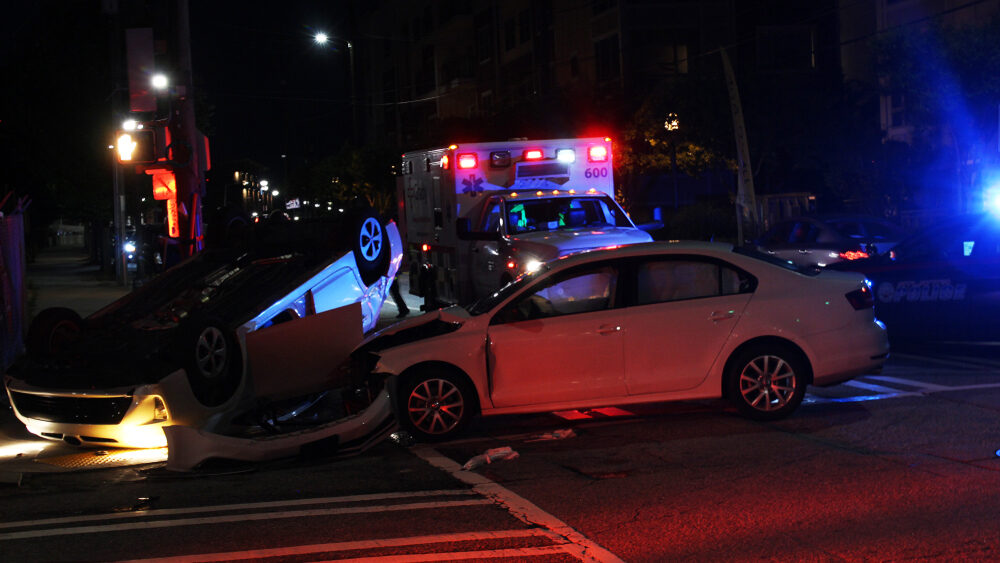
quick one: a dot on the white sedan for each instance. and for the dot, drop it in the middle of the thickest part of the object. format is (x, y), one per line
(641, 323)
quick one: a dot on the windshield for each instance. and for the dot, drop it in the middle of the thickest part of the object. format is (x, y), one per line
(530, 215)
(486, 304)
(752, 252)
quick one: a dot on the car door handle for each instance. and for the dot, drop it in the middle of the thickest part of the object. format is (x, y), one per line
(721, 315)
(803, 251)
(608, 329)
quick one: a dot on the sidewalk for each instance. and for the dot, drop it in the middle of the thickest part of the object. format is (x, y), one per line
(62, 277)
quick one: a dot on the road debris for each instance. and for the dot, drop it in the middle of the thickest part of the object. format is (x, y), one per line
(554, 435)
(491, 455)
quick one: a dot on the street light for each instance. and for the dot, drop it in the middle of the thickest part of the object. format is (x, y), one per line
(159, 81)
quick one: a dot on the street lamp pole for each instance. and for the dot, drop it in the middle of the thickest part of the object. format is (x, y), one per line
(322, 39)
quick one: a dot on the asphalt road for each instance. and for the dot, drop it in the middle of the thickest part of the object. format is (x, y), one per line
(899, 466)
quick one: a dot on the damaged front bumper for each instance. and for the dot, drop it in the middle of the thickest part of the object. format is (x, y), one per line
(188, 447)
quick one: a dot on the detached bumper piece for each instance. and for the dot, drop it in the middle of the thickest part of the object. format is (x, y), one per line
(188, 447)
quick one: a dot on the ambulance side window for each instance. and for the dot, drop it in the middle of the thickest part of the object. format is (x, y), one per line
(491, 217)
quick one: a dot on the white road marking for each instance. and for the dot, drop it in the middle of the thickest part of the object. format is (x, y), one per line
(361, 545)
(870, 386)
(918, 384)
(579, 545)
(246, 517)
(228, 507)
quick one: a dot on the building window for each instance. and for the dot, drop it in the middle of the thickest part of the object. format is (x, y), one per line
(897, 110)
(601, 6)
(509, 34)
(607, 58)
(524, 25)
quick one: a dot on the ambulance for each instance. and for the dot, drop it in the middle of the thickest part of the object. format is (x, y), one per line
(477, 215)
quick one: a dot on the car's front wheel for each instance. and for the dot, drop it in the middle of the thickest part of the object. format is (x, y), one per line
(436, 405)
(212, 361)
(767, 382)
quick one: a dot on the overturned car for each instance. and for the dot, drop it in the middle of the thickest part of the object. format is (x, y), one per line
(232, 339)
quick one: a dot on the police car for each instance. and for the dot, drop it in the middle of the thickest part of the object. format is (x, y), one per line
(940, 285)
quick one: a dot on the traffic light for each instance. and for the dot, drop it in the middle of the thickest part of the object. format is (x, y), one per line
(136, 147)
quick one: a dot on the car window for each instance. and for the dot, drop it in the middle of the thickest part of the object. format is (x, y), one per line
(491, 218)
(577, 291)
(850, 229)
(780, 233)
(659, 281)
(804, 232)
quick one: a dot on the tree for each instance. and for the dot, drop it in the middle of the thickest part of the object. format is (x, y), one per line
(353, 175)
(948, 80)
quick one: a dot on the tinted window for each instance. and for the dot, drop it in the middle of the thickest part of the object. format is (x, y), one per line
(673, 280)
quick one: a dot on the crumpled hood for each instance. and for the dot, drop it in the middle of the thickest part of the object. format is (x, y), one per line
(428, 325)
(546, 245)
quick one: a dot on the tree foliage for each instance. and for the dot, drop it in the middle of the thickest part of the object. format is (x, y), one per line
(353, 175)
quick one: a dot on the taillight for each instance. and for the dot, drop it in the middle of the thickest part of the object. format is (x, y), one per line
(861, 298)
(533, 154)
(425, 247)
(467, 160)
(853, 255)
(511, 265)
(597, 153)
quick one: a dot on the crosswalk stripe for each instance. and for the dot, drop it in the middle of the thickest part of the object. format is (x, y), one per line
(232, 507)
(355, 546)
(244, 517)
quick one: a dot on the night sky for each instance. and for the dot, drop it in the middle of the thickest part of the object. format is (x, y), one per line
(273, 90)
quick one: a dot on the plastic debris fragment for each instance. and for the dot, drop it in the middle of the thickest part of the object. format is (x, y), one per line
(491, 455)
(554, 435)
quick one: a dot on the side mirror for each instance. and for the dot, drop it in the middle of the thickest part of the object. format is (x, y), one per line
(463, 227)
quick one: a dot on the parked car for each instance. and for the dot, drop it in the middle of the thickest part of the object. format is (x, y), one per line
(640, 323)
(942, 284)
(176, 350)
(824, 240)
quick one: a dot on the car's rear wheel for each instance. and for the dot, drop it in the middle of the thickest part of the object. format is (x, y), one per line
(436, 405)
(212, 361)
(370, 243)
(52, 331)
(767, 382)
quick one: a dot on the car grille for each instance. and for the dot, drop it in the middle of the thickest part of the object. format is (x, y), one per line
(76, 410)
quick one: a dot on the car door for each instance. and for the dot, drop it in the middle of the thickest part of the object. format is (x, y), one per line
(487, 262)
(559, 341)
(922, 294)
(683, 310)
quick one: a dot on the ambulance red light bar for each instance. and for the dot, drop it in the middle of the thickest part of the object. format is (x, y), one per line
(597, 153)
(533, 154)
(444, 162)
(468, 160)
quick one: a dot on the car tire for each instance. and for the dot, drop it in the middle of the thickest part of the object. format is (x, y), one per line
(212, 361)
(52, 331)
(766, 382)
(370, 244)
(436, 405)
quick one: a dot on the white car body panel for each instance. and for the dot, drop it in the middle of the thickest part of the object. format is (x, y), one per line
(541, 375)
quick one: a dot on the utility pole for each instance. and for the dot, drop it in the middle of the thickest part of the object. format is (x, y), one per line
(184, 150)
